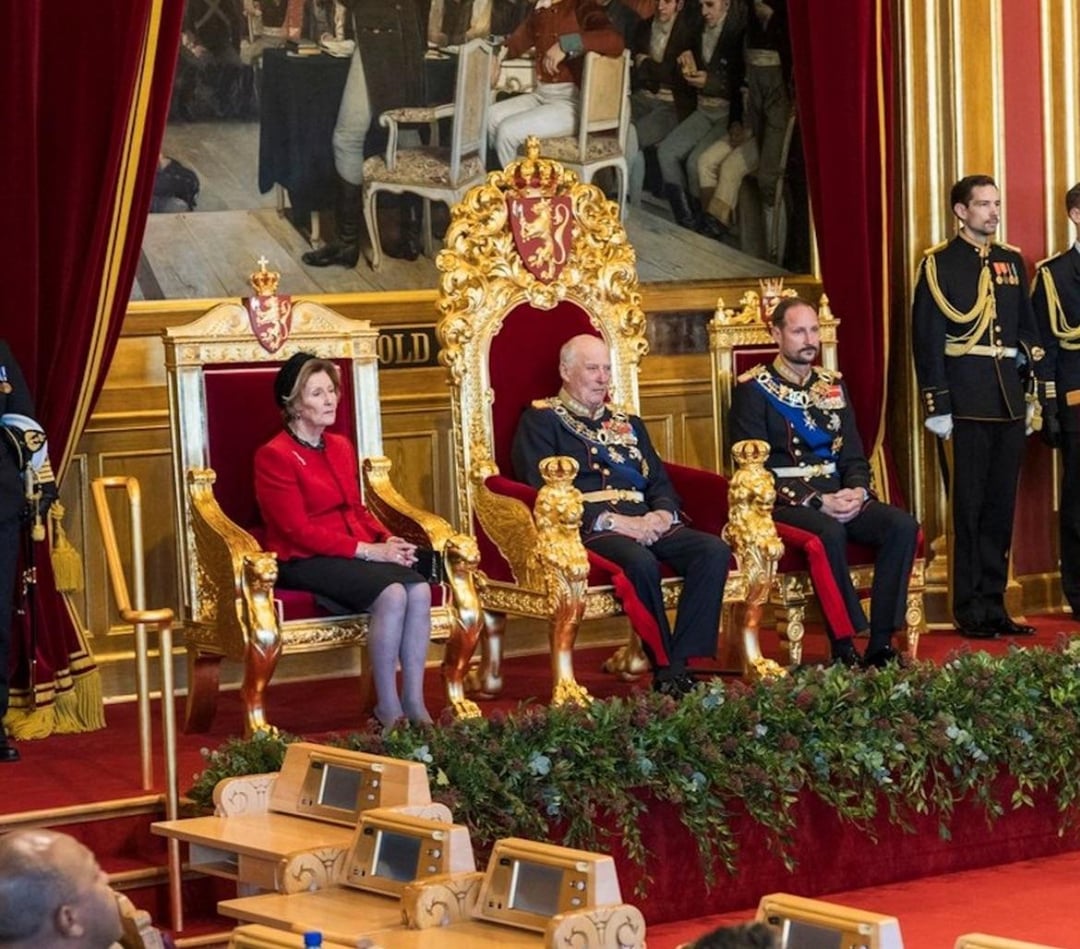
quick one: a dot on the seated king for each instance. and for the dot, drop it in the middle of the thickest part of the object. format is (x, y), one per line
(631, 511)
(823, 485)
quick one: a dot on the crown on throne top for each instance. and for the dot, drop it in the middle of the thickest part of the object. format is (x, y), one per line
(264, 282)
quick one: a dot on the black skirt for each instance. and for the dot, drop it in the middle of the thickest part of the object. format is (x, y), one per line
(353, 584)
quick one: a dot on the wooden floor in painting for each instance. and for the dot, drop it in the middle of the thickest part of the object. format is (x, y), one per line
(208, 253)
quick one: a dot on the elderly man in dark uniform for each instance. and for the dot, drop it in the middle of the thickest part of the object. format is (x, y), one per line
(631, 512)
(386, 72)
(1056, 300)
(823, 484)
(973, 332)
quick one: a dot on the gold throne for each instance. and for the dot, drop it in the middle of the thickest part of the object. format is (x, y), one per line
(221, 369)
(739, 339)
(533, 257)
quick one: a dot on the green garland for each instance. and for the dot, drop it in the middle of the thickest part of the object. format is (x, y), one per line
(899, 742)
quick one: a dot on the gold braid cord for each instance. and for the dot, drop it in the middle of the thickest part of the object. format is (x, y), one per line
(977, 319)
(751, 533)
(1068, 336)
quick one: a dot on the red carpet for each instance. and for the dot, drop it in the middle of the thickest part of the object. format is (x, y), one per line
(68, 770)
(1034, 900)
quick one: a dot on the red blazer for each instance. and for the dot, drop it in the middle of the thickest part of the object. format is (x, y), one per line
(310, 499)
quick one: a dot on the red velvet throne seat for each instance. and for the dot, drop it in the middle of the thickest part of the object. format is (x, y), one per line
(739, 339)
(534, 257)
(222, 409)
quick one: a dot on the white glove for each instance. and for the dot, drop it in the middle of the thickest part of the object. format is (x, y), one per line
(1029, 415)
(940, 425)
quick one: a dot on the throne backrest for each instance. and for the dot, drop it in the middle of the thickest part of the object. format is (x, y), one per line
(532, 257)
(222, 408)
(739, 339)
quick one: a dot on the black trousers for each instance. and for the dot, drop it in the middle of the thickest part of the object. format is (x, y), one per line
(982, 494)
(893, 533)
(9, 556)
(1069, 520)
(702, 561)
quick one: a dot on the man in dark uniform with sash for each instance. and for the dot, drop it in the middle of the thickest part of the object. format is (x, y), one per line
(631, 514)
(1056, 300)
(973, 332)
(823, 484)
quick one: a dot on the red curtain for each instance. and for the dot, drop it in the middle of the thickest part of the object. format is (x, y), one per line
(842, 57)
(76, 178)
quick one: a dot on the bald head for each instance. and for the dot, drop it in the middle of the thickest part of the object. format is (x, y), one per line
(53, 894)
(585, 368)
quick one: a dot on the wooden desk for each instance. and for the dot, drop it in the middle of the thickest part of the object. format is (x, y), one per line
(338, 912)
(252, 849)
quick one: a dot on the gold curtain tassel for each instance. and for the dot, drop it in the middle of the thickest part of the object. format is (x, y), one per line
(66, 561)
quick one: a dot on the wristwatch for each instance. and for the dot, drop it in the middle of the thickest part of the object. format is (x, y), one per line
(605, 521)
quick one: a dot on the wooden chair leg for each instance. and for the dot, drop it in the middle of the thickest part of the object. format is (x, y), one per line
(204, 677)
(371, 222)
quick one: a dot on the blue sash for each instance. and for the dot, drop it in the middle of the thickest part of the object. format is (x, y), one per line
(818, 439)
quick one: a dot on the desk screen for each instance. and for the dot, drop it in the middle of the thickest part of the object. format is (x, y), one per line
(535, 888)
(340, 787)
(800, 935)
(397, 856)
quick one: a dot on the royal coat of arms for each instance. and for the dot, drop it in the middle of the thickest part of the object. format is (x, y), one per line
(269, 312)
(543, 231)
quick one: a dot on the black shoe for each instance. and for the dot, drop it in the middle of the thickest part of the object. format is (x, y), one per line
(982, 631)
(711, 227)
(8, 753)
(881, 657)
(334, 254)
(1007, 626)
(846, 655)
(676, 686)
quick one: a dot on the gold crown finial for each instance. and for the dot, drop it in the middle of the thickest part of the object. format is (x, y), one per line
(532, 148)
(264, 282)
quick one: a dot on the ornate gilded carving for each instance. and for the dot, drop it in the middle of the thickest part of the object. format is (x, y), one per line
(751, 533)
(562, 562)
(606, 927)
(462, 559)
(440, 900)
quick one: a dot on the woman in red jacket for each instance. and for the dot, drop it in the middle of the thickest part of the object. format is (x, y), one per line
(308, 488)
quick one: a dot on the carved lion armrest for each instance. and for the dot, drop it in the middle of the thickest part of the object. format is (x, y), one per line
(236, 576)
(441, 900)
(247, 794)
(606, 927)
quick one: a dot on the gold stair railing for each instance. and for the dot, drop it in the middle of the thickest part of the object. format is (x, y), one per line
(141, 617)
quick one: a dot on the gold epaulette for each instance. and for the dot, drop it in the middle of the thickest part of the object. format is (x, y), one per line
(750, 373)
(1012, 247)
(829, 375)
(933, 250)
(544, 403)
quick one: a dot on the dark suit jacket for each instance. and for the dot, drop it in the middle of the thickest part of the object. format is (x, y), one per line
(1062, 365)
(754, 414)
(726, 67)
(652, 75)
(972, 387)
(392, 38)
(14, 397)
(540, 434)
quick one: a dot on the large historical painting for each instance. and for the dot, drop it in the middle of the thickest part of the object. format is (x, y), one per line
(247, 167)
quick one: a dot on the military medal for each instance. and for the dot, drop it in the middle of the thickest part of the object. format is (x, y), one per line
(5, 386)
(999, 279)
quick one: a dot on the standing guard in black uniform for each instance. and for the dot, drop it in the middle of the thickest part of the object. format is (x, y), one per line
(631, 514)
(21, 440)
(1056, 300)
(823, 484)
(974, 338)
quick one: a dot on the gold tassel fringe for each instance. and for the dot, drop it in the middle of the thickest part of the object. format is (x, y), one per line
(66, 560)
